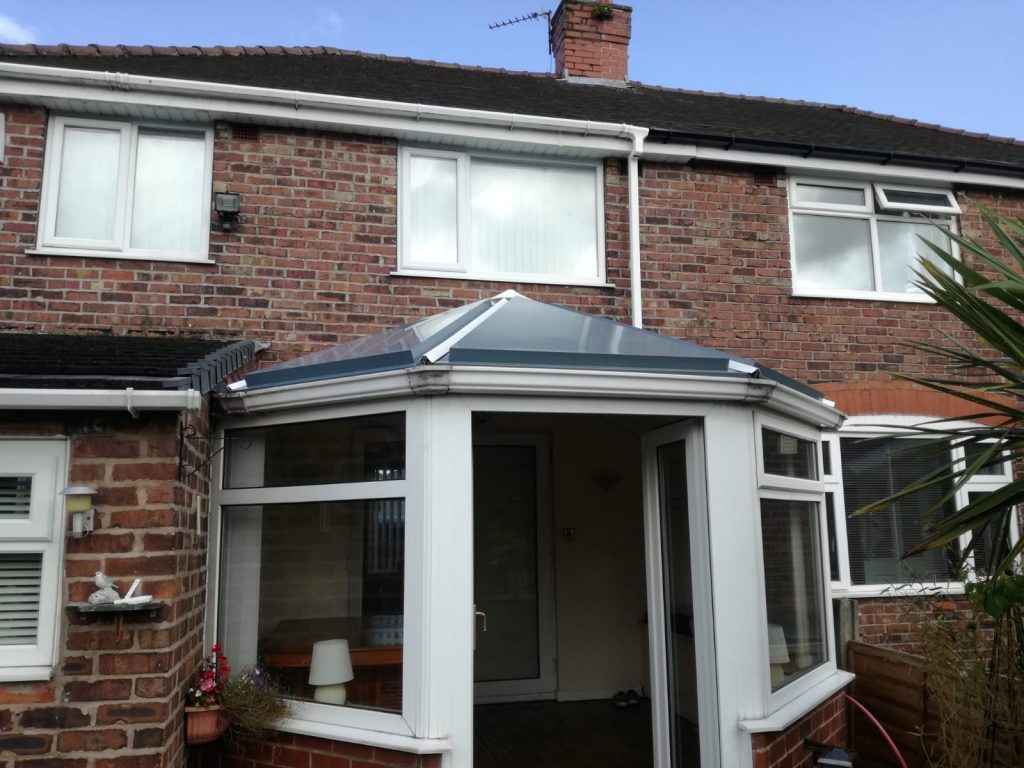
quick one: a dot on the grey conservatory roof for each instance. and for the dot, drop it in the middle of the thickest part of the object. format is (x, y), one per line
(510, 330)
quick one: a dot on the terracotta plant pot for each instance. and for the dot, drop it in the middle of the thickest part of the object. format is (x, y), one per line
(204, 724)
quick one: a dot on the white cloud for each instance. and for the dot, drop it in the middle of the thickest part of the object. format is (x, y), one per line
(329, 21)
(12, 32)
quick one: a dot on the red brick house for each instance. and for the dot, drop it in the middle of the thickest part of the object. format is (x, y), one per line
(259, 300)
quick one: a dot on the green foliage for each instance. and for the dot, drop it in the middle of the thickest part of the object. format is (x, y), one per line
(990, 376)
(253, 704)
(997, 595)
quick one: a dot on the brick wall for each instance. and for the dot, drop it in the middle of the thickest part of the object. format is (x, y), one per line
(295, 751)
(587, 46)
(115, 700)
(787, 749)
(896, 622)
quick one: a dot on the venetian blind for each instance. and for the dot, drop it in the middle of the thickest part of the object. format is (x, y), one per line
(872, 470)
(21, 577)
(15, 497)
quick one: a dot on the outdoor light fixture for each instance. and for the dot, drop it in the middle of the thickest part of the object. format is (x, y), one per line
(227, 204)
(79, 505)
(329, 670)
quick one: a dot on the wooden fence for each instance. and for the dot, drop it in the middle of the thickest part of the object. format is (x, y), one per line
(892, 686)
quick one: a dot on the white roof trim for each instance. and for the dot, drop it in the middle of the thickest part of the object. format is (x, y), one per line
(131, 400)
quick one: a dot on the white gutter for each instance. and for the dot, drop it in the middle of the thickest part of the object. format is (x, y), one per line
(849, 168)
(635, 275)
(131, 400)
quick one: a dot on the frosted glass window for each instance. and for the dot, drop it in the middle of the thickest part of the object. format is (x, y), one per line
(495, 217)
(816, 193)
(90, 173)
(900, 249)
(832, 252)
(432, 234)
(168, 200)
(533, 219)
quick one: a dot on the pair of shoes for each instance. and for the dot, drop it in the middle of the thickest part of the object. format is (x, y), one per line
(626, 698)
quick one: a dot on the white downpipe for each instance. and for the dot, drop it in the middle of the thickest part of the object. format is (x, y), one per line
(635, 275)
(131, 400)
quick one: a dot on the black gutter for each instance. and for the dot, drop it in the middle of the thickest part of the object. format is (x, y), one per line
(832, 152)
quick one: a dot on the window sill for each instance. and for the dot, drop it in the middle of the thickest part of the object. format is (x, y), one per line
(370, 738)
(802, 705)
(25, 674)
(133, 256)
(903, 298)
(937, 589)
(500, 278)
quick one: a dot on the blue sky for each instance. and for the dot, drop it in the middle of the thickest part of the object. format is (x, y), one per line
(953, 62)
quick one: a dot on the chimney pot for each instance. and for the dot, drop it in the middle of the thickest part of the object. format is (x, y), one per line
(591, 39)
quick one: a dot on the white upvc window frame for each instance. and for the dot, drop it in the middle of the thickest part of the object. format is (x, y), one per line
(118, 247)
(943, 216)
(898, 426)
(777, 487)
(463, 266)
(45, 460)
(393, 730)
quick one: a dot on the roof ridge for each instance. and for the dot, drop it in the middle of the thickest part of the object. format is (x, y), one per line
(94, 49)
(839, 108)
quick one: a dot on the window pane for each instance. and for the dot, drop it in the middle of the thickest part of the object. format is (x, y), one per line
(794, 588)
(533, 219)
(432, 221)
(872, 470)
(15, 497)
(832, 252)
(816, 193)
(297, 574)
(901, 249)
(833, 543)
(361, 449)
(788, 456)
(974, 451)
(167, 213)
(907, 197)
(87, 193)
(21, 577)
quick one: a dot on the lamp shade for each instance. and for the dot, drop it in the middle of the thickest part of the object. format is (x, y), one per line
(331, 663)
(778, 651)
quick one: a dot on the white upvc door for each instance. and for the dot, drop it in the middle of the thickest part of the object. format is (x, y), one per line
(682, 648)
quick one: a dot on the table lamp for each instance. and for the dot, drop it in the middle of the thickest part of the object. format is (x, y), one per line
(778, 653)
(329, 670)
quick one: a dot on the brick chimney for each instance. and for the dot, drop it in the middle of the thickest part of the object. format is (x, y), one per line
(591, 39)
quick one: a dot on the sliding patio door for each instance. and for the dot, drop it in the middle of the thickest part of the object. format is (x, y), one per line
(684, 698)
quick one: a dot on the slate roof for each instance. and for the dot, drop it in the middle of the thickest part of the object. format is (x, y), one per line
(45, 361)
(674, 115)
(511, 330)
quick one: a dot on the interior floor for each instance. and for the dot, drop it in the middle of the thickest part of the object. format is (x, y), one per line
(549, 734)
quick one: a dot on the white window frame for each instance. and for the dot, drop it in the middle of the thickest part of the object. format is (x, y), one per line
(45, 460)
(944, 216)
(118, 247)
(776, 487)
(898, 426)
(394, 730)
(463, 267)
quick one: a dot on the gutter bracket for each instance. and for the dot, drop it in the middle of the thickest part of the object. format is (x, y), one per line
(128, 403)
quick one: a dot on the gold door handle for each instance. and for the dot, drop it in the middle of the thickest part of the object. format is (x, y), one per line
(482, 615)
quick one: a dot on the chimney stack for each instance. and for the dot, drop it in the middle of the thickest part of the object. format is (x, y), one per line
(591, 39)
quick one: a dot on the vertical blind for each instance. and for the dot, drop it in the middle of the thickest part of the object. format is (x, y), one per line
(874, 469)
(21, 576)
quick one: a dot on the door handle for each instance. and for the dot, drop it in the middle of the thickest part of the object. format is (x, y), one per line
(482, 615)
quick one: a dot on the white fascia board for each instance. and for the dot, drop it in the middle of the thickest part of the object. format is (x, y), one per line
(848, 168)
(99, 400)
(224, 101)
(535, 382)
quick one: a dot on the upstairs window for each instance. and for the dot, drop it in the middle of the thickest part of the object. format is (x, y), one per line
(126, 189)
(497, 218)
(860, 240)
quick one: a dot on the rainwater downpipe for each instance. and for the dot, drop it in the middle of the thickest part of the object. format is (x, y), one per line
(635, 277)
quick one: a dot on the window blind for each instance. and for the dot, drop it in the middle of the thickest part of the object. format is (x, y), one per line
(874, 469)
(15, 497)
(21, 576)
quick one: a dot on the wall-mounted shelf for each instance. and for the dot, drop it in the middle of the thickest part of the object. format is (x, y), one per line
(119, 610)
